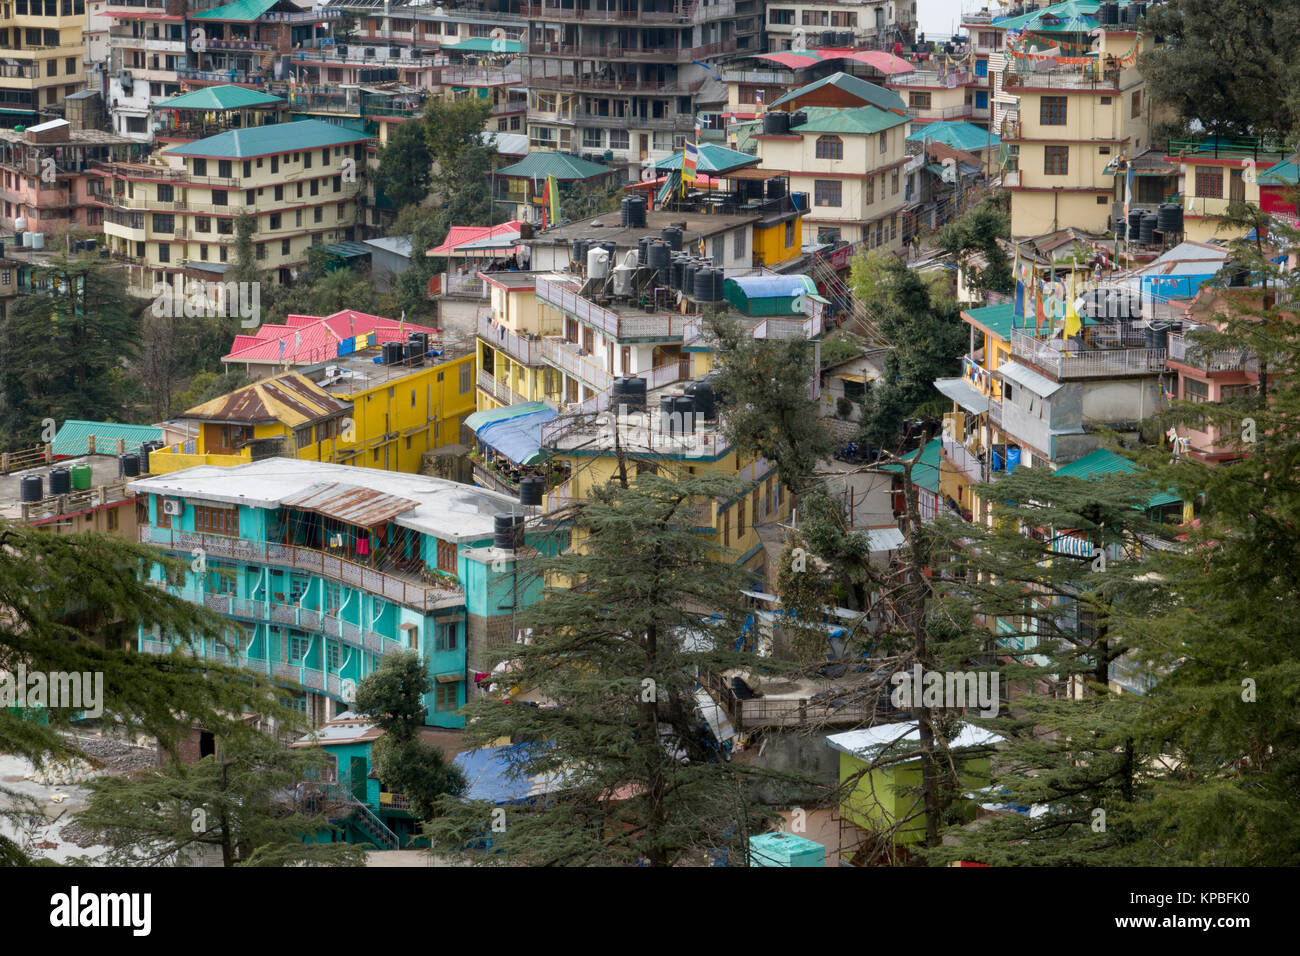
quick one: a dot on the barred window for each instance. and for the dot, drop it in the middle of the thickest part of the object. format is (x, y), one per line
(830, 147)
(1052, 110)
(1209, 182)
(1056, 160)
(827, 192)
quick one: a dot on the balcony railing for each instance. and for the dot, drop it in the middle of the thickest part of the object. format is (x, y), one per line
(520, 347)
(561, 496)
(502, 392)
(480, 76)
(935, 79)
(942, 113)
(627, 85)
(309, 677)
(564, 355)
(1186, 352)
(680, 122)
(406, 590)
(1086, 364)
(566, 299)
(963, 458)
(1062, 80)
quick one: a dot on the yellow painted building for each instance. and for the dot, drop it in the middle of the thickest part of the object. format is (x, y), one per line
(509, 363)
(44, 54)
(1071, 123)
(175, 215)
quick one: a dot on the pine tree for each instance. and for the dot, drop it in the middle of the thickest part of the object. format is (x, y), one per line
(617, 652)
(404, 165)
(252, 800)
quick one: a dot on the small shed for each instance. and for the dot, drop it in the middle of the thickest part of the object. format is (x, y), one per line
(769, 295)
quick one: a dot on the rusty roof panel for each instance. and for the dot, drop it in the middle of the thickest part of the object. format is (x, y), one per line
(362, 507)
(291, 399)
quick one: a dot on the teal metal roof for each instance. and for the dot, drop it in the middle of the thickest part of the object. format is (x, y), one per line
(925, 473)
(266, 140)
(348, 250)
(484, 45)
(73, 438)
(862, 121)
(957, 134)
(1285, 173)
(226, 97)
(1072, 16)
(997, 319)
(476, 420)
(540, 163)
(1103, 461)
(854, 86)
(242, 11)
(713, 159)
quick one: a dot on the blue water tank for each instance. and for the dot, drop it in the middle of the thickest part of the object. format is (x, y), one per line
(1013, 459)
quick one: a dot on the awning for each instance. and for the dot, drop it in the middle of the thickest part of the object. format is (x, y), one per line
(452, 677)
(361, 507)
(964, 394)
(1021, 375)
(884, 539)
(851, 377)
(518, 437)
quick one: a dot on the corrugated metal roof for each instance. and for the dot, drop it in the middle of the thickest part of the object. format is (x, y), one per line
(268, 140)
(351, 504)
(291, 399)
(903, 738)
(228, 97)
(541, 163)
(1103, 461)
(73, 438)
(854, 86)
(861, 121)
(964, 394)
(484, 45)
(956, 133)
(1022, 375)
(310, 339)
(242, 11)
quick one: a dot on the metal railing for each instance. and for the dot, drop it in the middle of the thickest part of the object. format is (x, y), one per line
(629, 85)
(567, 299)
(480, 76)
(1062, 80)
(1086, 364)
(526, 350)
(579, 415)
(563, 355)
(310, 678)
(963, 458)
(502, 392)
(1187, 352)
(409, 591)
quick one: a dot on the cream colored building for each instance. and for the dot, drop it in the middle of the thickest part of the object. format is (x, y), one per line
(43, 53)
(1071, 123)
(176, 214)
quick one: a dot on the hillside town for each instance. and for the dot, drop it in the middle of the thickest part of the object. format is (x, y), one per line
(690, 433)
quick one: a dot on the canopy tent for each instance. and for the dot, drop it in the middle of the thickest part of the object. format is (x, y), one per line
(884, 62)
(516, 436)
(712, 159)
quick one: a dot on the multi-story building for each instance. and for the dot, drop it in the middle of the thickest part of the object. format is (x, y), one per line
(147, 48)
(852, 23)
(47, 184)
(623, 83)
(1214, 173)
(247, 42)
(43, 57)
(211, 110)
(848, 162)
(175, 216)
(323, 569)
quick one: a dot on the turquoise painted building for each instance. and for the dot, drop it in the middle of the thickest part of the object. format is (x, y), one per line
(322, 569)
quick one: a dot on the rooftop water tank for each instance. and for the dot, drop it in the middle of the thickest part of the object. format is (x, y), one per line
(129, 465)
(702, 394)
(597, 263)
(30, 488)
(60, 481)
(82, 476)
(630, 393)
(633, 212)
(708, 285)
(508, 532)
(530, 491)
(776, 123)
(38, 239)
(673, 236)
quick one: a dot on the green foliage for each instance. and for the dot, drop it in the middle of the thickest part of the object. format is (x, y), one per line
(1228, 65)
(404, 165)
(977, 232)
(245, 267)
(617, 651)
(840, 346)
(245, 801)
(462, 160)
(394, 694)
(763, 390)
(61, 350)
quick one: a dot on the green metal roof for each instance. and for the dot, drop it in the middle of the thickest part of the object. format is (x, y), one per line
(925, 473)
(1072, 16)
(484, 45)
(1103, 461)
(713, 159)
(476, 420)
(348, 250)
(1285, 173)
(957, 134)
(996, 318)
(73, 438)
(541, 163)
(266, 140)
(854, 86)
(219, 98)
(243, 11)
(862, 120)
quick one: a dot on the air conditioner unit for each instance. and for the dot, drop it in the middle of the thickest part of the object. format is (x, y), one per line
(173, 507)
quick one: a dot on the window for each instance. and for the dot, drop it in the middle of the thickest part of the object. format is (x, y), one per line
(884, 141)
(298, 645)
(164, 223)
(740, 519)
(333, 658)
(248, 167)
(726, 529)
(830, 147)
(1209, 181)
(1236, 391)
(216, 520)
(918, 100)
(220, 197)
(466, 377)
(111, 517)
(225, 168)
(618, 138)
(164, 253)
(275, 221)
(446, 696)
(591, 138)
(165, 193)
(738, 243)
(279, 193)
(1194, 391)
(1051, 110)
(869, 190)
(893, 186)
(446, 557)
(789, 234)
(1056, 160)
(826, 192)
(317, 214)
(447, 636)
(302, 437)
(284, 247)
(202, 224)
(1135, 110)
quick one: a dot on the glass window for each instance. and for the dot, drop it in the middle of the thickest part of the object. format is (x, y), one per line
(830, 147)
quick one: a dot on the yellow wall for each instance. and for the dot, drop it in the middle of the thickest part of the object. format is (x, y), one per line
(771, 244)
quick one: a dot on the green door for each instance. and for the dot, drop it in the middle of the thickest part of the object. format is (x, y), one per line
(358, 775)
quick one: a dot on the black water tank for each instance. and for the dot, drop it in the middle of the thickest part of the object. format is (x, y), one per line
(1148, 227)
(530, 491)
(1118, 224)
(146, 450)
(678, 269)
(578, 252)
(642, 249)
(702, 394)
(776, 123)
(129, 465)
(414, 355)
(684, 409)
(667, 405)
(394, 352)
(632, 212)
(658, 256)
(1169, 218)
(800, 201)
(1108, 14)
(1157, 338)
(673, 236)
(629, 393)
(30, 488)
(508, 532)
(60, 481)
(609, 247)
(798, 119)
(708, 285)
(693, 267)
(1134, 224)
(776, 188)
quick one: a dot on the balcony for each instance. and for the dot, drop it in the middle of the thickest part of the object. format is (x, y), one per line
(648, 325)
(407, 589)
(519, 347)
(960, 111)
(311, 619)
(616, 52)
(1062, 80)
(680, 123)
(567, 356)
(966, 461)
(309, 677)
(934, 79)
(1101, 363)
(1186, 352)
(481, 76)
(759, 77)
(499, 390)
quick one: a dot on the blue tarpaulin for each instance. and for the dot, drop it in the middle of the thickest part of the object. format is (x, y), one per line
(517, 436)
(488, 776)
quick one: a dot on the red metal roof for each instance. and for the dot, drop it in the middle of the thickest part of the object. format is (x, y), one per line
(460, 235)
(309, 338)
